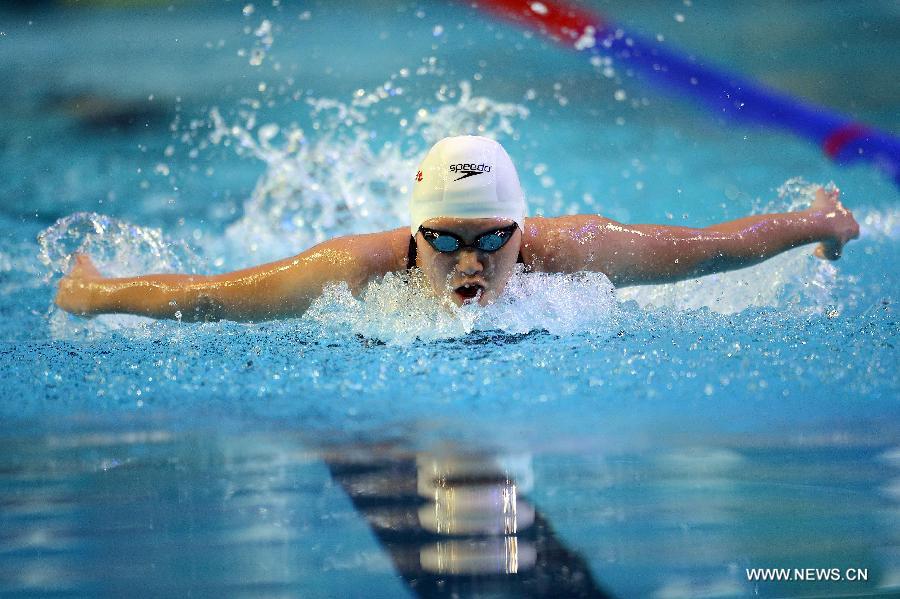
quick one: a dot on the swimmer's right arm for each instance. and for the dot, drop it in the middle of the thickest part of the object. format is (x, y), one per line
(651, 254)
(281, 289)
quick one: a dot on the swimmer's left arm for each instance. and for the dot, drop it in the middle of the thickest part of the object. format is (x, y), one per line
(285, 288)
(647, 254)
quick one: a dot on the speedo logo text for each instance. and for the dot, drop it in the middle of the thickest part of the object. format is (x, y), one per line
(469, 170)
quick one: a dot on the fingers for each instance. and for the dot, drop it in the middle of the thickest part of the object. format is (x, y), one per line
(81, 262)
(84, 261)
(826, 197)
(837, 221)
(84, 267)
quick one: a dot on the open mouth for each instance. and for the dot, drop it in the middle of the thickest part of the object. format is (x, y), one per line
(468, 292)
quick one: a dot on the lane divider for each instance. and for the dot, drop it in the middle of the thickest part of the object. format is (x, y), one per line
(727, 94)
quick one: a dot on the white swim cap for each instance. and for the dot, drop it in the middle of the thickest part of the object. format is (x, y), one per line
(466, 177)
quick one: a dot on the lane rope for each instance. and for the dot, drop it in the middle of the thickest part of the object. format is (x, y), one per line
(727, 94)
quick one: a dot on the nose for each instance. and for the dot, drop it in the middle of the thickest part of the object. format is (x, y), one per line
(469, 263)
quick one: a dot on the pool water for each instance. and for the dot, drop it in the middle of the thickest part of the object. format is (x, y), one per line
(571, 440)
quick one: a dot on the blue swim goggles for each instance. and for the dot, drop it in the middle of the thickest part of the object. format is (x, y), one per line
(491, 241)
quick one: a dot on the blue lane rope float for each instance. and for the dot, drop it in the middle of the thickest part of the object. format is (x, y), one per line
(841, 138)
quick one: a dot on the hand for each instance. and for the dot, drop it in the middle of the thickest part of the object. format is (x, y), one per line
(838, 223)
(74, 294)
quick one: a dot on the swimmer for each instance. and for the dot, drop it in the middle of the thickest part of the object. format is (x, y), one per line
(467, 231)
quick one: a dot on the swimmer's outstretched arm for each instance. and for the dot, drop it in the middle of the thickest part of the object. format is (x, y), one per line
(646, 254)
(276, 290)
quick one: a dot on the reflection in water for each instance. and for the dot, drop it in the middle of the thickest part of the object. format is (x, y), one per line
(476, 498)
(159, 514)
(498, 555)
(470, 496)
(163, 513)
(456, 525)
(890, 558)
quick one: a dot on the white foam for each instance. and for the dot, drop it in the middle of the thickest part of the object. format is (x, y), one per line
(795, 278)
(400, 308)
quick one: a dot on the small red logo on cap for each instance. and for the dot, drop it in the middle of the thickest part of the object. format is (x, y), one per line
(419, 176)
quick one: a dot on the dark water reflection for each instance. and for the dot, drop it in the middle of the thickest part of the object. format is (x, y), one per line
(456, 524)
(157, 513)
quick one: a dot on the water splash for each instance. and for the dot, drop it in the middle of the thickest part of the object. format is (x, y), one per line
(470, 114)
(794, 279)
(117, 247)
(400, 308)
(343, 181)
(795, 194)
(314, 190)
(878, 225)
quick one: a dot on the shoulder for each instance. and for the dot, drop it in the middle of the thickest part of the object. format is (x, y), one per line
(563, 243)
(376, 253)
(539, 226)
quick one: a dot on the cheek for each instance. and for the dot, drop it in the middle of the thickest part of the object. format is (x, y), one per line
(501, 274)
(500, 278)
(438, 271)
(505, 263)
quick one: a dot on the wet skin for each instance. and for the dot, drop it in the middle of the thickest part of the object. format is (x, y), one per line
(467, 274)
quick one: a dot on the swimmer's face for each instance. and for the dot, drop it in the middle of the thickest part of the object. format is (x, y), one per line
(468, 274)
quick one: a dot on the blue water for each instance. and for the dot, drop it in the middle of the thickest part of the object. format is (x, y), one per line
(667, 438)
